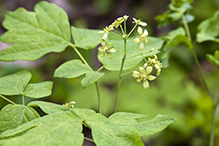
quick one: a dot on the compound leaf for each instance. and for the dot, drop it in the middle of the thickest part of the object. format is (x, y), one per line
(12, 116)
(35, 34)
(14, 84)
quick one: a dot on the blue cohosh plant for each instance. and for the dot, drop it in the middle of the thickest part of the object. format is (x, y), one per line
(47, 29)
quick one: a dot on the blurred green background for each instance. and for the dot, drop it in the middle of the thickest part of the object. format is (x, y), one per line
(176, 92)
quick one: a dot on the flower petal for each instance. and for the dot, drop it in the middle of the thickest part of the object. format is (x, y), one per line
(148, 70)
(136, 40)
(142, 70)
(146, 84)
(136, 74)
(141, 47)
(151, 78)
(140, 31)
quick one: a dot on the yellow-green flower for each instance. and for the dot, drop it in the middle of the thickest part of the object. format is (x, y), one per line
(70, 105)
(142, 38)
(106, 49)
(106, 30)
(139, 22)
(144, 75)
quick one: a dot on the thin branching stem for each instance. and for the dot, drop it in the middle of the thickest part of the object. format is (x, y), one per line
(85, 62)
(23, 100)
(211, 143)
(98, 96)
(7, 99)
(120, 77)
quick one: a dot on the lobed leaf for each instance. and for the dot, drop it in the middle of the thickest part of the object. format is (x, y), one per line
(35, 34)
(209, 29)
(85, 38)
(12, 116)
(105, 133)
(14, 84)
(75, 68)
(144, 128)
(48, 107)
(132, 50)
(39, 90)
(54, 129)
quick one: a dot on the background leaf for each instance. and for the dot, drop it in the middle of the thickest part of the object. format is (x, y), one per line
(173, 39)
(14, 84)
(34, 34)
(209, 29)
(132, 49)
(85, 38)
(39, 90)
(214, 59)
(12, 116)
(144, 128)
(75, 68)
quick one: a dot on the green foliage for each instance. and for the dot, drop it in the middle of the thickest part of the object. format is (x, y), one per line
(35, 34)
(12, 116)
(17, 84)
(75, 68)
(176, 9)
(173, 39)
(65, 127)
(85, 38)
(138, 55)
(214, 59)
(209, 29)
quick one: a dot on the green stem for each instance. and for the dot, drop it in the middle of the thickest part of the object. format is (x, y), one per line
(88, 139)
(115, 34)
(7, 99)
(85, 62)
(132, 30)
(23, 100)
(213, 126)
(102, 67)
(79, 54)
(120, 77)
(203, 81)
(196, 58)
(121, 29)
(125, 74)
(98, 96)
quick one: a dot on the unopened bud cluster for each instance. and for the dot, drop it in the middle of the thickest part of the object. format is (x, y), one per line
(70, 105)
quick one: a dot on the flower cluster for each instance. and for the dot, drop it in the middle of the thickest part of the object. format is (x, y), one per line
(144, 73)
(106, 48)
(142, 38)
(115, 24)
(70, 105)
